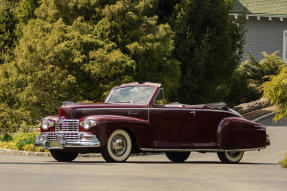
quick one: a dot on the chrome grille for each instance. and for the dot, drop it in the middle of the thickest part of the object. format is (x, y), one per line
(68, 136)
(67, 125)
(71, 136)
(51, 136)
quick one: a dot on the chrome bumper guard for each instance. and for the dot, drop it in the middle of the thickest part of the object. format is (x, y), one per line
(84, 140)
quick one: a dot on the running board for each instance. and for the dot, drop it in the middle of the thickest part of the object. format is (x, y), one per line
(199, 150)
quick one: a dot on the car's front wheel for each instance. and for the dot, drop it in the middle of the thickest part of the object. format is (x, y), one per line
(63, 156)
(177, 156)
(118, 147)
(230, 156)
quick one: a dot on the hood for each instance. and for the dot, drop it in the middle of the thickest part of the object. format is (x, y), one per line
(77, 111)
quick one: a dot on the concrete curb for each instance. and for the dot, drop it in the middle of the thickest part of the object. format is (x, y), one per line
(264, 116)
(42, 154)
(23, 153)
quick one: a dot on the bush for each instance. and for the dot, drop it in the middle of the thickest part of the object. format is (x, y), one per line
(276, 92)
(284, 162)
(6, 137)
(246, 82)
(259, 72)
(21, 141)
(8, 145)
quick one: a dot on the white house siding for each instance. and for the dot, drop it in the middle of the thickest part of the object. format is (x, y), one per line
(263, 35)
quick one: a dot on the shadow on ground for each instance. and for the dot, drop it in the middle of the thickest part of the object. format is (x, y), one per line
(129, 162)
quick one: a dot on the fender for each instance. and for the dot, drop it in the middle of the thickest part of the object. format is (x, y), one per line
(239, 133)
(106, 124)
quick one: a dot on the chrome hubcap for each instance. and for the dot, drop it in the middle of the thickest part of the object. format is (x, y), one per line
(118, 145)
(233, 154)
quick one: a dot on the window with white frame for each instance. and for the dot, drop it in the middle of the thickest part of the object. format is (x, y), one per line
(285, 45)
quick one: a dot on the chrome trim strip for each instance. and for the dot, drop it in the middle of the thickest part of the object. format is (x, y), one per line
(198, 150)
(173, 109)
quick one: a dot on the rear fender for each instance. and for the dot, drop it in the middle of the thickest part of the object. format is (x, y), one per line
(239, 133)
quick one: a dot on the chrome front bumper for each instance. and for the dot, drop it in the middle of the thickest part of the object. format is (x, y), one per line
(84, 140)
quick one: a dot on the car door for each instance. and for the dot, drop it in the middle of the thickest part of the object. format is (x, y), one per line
(172, 127)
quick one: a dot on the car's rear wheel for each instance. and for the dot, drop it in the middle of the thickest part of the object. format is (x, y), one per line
(177, 156)
(63, 156)
(118, 147)
(230, 156)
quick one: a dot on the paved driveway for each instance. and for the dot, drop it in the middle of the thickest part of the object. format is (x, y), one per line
(257, 171)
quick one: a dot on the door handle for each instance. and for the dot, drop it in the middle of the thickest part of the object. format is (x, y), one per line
(193, 113)
(132, 113)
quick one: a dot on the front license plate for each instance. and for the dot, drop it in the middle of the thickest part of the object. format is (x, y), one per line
(55, 144)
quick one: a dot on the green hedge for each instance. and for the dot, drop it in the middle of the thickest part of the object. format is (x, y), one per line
(20, 141)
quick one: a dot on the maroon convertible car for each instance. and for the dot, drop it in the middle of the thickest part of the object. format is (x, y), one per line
(135, 119)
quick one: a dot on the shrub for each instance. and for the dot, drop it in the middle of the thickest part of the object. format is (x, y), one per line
(284, 162)
(30, 147)
(246, 82)
(21, 141)
(6, 137)
(276, 92)
(259, 72)
(8, 145)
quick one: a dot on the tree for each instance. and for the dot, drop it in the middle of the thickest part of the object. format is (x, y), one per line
(78, 50)
(13, 16)
(208, 43)
(7, 31)
(276, 91)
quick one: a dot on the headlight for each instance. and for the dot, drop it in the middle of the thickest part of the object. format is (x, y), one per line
(88, 123)
(46, 124)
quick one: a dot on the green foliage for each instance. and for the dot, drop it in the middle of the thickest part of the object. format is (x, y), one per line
(250, 77)
(5, 137)
(78, 50)
(239, 90)
(246, 82)
(7, 30)
(21, 141)
(259, 72)
(208, 43)
(13, 16)
(284, 162)
(276, 91)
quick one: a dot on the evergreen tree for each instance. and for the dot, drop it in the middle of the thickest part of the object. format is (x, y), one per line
(13, 16)
(208, 43)
(7, 30)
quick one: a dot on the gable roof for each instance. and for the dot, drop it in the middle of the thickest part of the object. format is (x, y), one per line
(272, 8)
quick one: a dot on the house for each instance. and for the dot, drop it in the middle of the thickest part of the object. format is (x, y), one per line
(266, 26)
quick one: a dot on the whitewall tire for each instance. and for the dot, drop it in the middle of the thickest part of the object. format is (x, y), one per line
(118, 147)
(230, 156)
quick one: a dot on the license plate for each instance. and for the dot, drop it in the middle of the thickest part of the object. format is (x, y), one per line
(55, 144)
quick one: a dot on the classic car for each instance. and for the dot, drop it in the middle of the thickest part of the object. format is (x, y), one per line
(134, 118)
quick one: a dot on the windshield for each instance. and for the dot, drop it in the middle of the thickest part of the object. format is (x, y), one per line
(131, 94)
